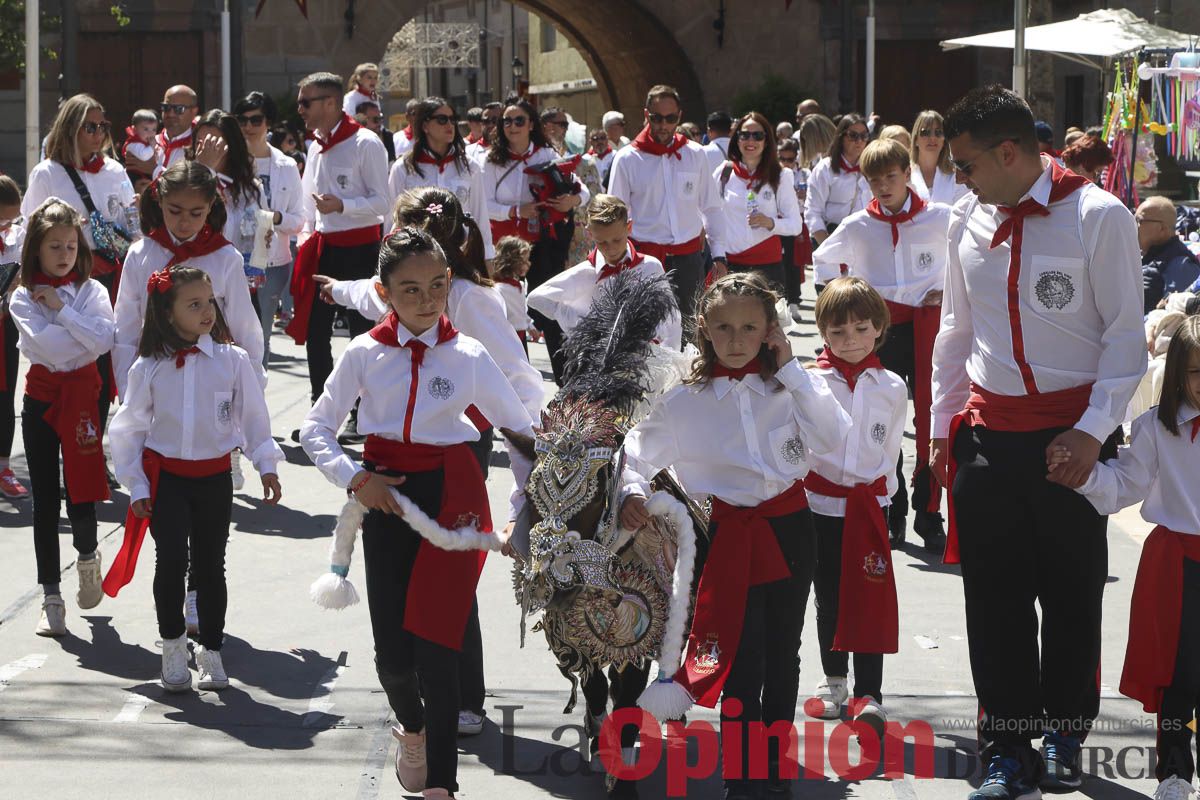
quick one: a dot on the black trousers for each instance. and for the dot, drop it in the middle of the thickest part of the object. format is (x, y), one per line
(104, 364)
(772, 273)
(1181, 701)
(868, 667)
(190, 526)
(765, 674)
(343, 264)
(623, 687)
(419, 677)
(791, 273)
(687, 275)
(898, 354)
(471, 685)
(549, 258)
(42, 450)
(8, 397)
(1024, 540)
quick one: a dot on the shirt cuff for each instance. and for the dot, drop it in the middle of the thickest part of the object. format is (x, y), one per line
(940, 429)
(1089, 486)
(1096, 424)
(794, 377)
(343, 469)
(139, 491)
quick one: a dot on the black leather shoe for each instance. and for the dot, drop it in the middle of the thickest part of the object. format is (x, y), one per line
(932, 530)
(897, 525)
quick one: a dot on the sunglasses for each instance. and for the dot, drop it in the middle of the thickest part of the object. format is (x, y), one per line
(305, 102)
(936, 133)
(659, 119)
(787, 159)
(174, 108)
(758, 136)
(90, 128)
(857, 136)
(253, 120)
(516, 122)
(442, 119)
(966, 167)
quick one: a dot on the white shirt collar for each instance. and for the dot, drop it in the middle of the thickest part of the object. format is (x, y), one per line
(206, 344)
(1040, 191)
(1186, 412)
(404, 335)
(723, 386)
(604, 262)
(903, 209)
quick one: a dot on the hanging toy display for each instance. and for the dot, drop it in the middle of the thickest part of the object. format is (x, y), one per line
(1124, 112)
(1175, 105)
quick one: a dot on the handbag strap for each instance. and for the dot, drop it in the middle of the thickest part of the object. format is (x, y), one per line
(80, 187)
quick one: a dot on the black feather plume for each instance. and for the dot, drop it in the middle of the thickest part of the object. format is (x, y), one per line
(605, 355)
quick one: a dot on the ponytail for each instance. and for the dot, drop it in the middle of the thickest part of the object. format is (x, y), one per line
(439, 212)
(182, 175)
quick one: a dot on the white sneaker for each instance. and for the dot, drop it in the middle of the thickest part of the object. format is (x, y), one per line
(53, 621)
(827, 701)
(176, 677)
(872, 714)
(411, 768)
(191, 622)
(90, 577)
(212, 671)
(1173, 788)
(235, 470)
(469, 723)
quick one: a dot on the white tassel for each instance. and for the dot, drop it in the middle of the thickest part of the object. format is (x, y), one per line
(468, 537)
(333, 589)
(665, 699)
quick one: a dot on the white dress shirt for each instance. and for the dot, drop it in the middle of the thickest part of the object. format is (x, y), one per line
(354, 170)
(567, 297)
(602, 163)
(453, 376)
(903, 274)
(479, 312)
(11, 242)
(110, 190)
(226, 270)
(833, 196)
(671, 200)
(69, 338)
(515, 307)
(877, 408)
(506, 186)
(465, 184)
(945, 188)
(758, 438)
(1157, 469)
(199, 411)
(736, 234)
(354, 98)
(716, 151)
(177, 153)
(1079, 309)
(401, 143)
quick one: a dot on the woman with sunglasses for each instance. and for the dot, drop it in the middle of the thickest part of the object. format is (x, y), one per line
(439, 158)
(78, 170)
(279, 178)
(756, 213)
(837, 189)
(519, 145)
(932, 172)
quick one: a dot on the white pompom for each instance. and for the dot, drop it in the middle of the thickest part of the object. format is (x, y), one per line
(666, 699)
(333, 591)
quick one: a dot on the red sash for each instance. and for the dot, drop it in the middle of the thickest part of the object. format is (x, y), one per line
(768, 251)
(868, 613)
(1154, 616)
(75, 416)
(663, 251)
(441, 586)
(154, 464)
(925, 321)
(308, 259)
(802, 251)
(1016, 413)
(745, 554)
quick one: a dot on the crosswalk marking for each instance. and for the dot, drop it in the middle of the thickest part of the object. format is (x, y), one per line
(135, 704)
(11, 670)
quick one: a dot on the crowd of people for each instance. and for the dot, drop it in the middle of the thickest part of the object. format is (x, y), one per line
(961, 263)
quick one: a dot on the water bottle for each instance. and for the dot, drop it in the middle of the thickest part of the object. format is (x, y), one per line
(133, 219)
(751, 203)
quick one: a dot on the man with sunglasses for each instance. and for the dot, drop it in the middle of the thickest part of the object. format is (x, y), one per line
(672, 196)
(368, 115)
(345, 203)
(179, 110)
(477, 151)
(1041, 347)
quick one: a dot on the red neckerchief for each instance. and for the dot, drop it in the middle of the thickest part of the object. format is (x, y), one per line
(751, 367)
(169, 146)
(385, 333)
(408, 133)
(426, 156)
(644, 143)
(827, 360)
(592, 152)
(632, 259)
(472, 138)
(1195, 428)
(206, 241)
(523, 158)
(1062, 184)
(182, 354)
(342, 131)
(848, 167)
(916, 206)
(753, 180)
(93, 164)
(507, 281)
(42, 279)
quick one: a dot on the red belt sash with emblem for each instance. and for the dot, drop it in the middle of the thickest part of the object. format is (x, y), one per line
(75, 416)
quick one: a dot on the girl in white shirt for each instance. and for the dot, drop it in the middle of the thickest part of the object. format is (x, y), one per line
(933, 175)
(836, 188)
(363, 81)
(1158, 469)
(509, 268)
(193, 397)
(848, 489)
(759, 563)
(65, 323)
(420, 596)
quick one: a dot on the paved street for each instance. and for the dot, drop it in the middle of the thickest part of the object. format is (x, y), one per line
(84, 716)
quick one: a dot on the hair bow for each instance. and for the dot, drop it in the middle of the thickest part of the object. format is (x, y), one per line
(160, 281)
(434, 208)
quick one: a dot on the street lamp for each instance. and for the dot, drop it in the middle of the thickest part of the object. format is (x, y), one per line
(518, 72)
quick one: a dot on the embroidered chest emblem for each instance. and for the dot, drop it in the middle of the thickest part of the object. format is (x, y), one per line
(689, 187)
(708, 656)
(924, 261)
(766, 194)
(875, 566)
(793, 450)
(441, 388)
(878, 433)
(1054, 289)
(343, 181)
(224, 411)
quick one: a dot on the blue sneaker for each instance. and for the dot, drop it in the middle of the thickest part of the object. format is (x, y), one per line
(1005, 781)
(1064, 769)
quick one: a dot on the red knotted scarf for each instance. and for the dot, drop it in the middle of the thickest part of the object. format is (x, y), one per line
(644, 142)
(916, 206)
(75, 416)
(206, 242)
